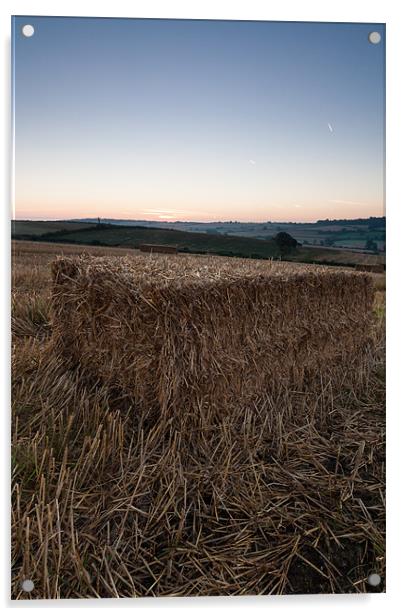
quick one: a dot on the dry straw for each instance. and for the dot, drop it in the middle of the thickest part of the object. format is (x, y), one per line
(152, 248)
(114, 498)
(378, 268)
(190, 339)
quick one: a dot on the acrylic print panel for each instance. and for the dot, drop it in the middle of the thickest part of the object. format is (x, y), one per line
(198, 308)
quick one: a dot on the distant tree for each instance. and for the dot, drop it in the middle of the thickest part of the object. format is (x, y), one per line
(372, 245)
(285, 242)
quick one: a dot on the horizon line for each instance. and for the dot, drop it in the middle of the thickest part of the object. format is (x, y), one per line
(200, 222)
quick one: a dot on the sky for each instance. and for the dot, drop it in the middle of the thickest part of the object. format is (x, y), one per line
(197, 120)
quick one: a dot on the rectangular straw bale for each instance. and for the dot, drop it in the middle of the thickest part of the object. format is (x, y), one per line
(162, 248)
(377, 268)
(185, 334)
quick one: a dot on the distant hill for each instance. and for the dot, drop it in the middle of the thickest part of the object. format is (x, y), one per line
(208, 242)
(357, 234)
(378, 221)
(38, 228)
(133, 236)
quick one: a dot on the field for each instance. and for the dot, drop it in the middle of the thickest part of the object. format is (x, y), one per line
(39, 227)
(352, 234)
(103, 505)
(238, 241)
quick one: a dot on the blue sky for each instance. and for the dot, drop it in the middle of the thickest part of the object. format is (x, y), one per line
(197, 120)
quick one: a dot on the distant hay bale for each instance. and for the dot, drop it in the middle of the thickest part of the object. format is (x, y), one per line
(158, 248)
(191, 337)
(378, 268)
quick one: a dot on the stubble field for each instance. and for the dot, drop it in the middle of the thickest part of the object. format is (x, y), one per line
(103, 506)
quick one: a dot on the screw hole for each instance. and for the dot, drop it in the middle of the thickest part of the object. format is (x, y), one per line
(27, 585)
(28, 30)
(374, 38)
(374, 579)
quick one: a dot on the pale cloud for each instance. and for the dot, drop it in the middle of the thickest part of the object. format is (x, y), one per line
(342, 202)
(168, 212)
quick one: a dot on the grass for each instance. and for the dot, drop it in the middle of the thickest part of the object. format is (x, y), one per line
(103, 505)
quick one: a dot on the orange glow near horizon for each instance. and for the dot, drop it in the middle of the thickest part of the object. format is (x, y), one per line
(280, 211)
(335, 209)
(193, 186)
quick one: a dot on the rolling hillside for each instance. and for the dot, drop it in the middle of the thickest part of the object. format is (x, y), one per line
(192, 242)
